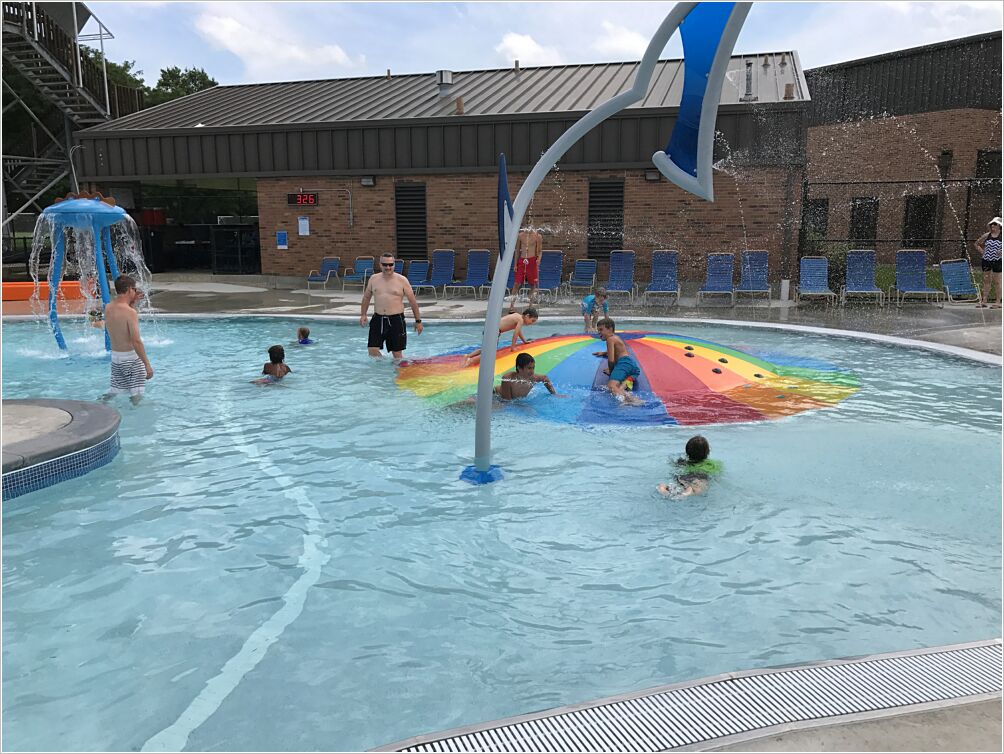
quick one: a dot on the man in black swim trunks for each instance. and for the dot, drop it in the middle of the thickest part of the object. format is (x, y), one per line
(389, 290)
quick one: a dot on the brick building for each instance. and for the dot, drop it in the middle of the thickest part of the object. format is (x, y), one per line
(408, 164)
(904, 150)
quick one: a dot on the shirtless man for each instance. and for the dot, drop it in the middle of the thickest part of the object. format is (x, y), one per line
(529, 249)
(130, 366)
(389, 290)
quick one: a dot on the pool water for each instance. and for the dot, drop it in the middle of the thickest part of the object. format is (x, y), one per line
(298, 567)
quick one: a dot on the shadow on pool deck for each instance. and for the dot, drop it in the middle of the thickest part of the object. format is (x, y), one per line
(957, 325)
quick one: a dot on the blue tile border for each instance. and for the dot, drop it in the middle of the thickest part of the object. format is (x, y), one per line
(70, 466)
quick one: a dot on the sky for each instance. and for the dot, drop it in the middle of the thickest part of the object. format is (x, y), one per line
(249, 42)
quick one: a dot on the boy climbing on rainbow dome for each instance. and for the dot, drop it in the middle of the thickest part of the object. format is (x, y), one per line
(620, 364)
(510, 322)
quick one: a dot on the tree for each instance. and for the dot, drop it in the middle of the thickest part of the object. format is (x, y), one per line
(124, 73)
(174, 83)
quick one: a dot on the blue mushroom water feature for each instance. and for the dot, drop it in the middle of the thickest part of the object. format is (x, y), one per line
(90, 237)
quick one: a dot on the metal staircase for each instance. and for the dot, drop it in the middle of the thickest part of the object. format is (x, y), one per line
(46, 51)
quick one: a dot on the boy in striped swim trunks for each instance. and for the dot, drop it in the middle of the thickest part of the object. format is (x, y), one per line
(130, 366)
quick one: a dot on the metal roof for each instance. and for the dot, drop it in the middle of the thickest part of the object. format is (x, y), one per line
(485, 93)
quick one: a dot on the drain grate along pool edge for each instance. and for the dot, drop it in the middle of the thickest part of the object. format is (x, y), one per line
(692, 713)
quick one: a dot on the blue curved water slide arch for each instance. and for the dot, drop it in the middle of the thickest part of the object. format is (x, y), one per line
(714, 28)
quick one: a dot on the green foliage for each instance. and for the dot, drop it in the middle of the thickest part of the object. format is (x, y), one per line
(123, 74)
(175, 82)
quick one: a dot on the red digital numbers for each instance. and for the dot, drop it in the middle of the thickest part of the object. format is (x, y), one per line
(302, 200)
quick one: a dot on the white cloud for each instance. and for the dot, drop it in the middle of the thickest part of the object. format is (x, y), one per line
(526, 50)
(620, 42)
(267, 48)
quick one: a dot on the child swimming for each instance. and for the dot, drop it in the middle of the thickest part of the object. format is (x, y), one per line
(696, 470)
(275, 368)
(303, 337)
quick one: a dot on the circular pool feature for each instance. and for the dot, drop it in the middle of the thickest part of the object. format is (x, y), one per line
(672, 390)
(832, 533)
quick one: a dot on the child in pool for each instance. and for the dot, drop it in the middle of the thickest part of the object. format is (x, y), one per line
(303, 337)
(275, 369)
(519, 382)
(696, 470)
(621, 366)
(515, 323)
(96, 319)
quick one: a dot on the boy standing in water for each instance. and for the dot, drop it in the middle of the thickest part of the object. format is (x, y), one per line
(515, 323)
(275, 368)
(620, 363)
(130, 366)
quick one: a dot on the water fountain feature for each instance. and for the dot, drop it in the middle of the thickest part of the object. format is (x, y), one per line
(90, 236)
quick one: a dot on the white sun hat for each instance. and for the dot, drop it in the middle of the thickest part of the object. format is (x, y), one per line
(996, 221)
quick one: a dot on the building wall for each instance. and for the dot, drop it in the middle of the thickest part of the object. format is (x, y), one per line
(903, 152)
(756, 208)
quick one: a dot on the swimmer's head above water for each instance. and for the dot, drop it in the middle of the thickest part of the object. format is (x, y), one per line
(276, 354)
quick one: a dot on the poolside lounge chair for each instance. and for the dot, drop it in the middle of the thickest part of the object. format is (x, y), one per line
(362, 268)
(418, 275)
(911, 276)
(664, 280)
(399, 266)
(442, 268)
(860, 277)
(583, 276)
(329, 269)
(477, 272)
(549, 275)
(753, 274)
(957, 279)
(718, 277)
(621, 278)
(813, 280)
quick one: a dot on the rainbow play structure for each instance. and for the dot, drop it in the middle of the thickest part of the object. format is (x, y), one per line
(683, 380)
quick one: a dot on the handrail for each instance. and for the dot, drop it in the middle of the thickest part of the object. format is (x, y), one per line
(61, 46)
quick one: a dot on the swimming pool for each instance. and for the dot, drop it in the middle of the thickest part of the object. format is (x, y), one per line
(298, 567)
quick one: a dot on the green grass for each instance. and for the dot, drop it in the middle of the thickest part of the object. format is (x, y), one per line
(885, 277)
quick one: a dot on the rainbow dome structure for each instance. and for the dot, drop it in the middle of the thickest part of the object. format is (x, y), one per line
(683, 380)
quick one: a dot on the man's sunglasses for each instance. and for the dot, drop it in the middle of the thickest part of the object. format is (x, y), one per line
(386, 264)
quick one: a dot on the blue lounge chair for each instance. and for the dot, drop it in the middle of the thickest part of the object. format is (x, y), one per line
(399, 266)
(957, 279)
(549, 275)
(477, 272)
(753, 274)
(813, 280)
(911, 276)
(664, 280)
(583, 277)
(418, 275)
(362, 268)
(329, 269)
(860, 277)
(442, 268)
(718, 277)
(621, 278)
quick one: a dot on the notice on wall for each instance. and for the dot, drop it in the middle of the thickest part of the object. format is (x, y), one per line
(303, 225)
(281, 239)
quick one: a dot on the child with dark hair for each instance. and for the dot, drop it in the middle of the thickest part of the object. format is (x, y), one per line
(303, 337)
(696, 470)
(519, 382)
(275, 368)
(515, 323)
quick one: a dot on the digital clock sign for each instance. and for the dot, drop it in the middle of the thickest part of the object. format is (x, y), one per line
(301, 200)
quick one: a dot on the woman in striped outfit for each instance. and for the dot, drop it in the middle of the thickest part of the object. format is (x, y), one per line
(989, 246)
